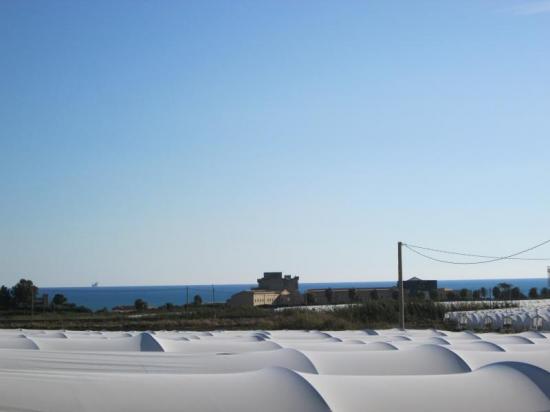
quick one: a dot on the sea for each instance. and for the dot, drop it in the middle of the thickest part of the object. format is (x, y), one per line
(100, 297)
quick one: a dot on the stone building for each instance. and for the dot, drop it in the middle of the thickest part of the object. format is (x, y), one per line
(276, 281)
(255, 297)
(273, 289)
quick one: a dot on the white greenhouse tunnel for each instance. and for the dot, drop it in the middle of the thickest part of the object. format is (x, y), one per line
(378, 370)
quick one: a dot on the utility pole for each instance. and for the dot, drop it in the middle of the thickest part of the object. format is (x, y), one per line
(212, 294)
(400, 286)
(187, 296)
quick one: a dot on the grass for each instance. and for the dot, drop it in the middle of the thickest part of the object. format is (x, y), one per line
(375, 314)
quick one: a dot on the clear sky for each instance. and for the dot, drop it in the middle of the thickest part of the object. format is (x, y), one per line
(179, 142)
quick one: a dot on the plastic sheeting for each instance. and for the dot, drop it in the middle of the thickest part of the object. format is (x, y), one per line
(375, 370)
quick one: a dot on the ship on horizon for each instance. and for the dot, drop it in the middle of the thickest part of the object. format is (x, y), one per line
(95, 285)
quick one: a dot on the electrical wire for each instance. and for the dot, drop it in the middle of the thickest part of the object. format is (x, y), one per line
(491, 258)
(474, 255)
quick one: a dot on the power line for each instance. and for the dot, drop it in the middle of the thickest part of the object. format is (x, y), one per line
(473, 255)
(490, 258)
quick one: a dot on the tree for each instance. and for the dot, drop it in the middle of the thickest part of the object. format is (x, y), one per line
(5, 298)
(24, 293)
(450, 295)
(352, 294)
(140, 304)
(483, 292)
(533, 293)
(464, 293)
(197, 300)
(515, 293)
(505, 289)
(476, 294)
(374, 294)
(59, 299)
(328, 295)
(496, 293)
(544, 293)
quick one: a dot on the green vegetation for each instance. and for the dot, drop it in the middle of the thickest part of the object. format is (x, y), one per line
(140, 305)
(5, 298)
(381, 313)
(328, 295)
(501, 292)
(59, 300)
(24, 293)
(22, 299)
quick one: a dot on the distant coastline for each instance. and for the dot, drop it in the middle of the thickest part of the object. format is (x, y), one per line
(109, 296)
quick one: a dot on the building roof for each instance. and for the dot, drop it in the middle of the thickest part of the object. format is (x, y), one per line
(261, 291)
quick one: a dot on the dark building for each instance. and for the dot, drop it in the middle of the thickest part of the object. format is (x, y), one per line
(416, 287)
(273, 289)
(276, 281)
(336, 296)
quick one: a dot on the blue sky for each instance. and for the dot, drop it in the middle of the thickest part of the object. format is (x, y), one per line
(177, 142)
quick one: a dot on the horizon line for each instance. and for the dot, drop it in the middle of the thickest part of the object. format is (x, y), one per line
(250, 283)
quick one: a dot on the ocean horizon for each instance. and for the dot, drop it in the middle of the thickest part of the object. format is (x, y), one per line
(110, 296)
